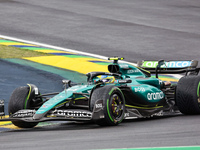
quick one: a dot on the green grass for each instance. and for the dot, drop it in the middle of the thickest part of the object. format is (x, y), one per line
(13, 52)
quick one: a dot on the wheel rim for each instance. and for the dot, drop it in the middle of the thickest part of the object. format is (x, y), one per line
(116, 107)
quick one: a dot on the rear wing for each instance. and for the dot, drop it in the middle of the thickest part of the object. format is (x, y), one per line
(169, 67)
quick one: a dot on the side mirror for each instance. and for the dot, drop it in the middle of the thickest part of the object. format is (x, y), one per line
(66, 82)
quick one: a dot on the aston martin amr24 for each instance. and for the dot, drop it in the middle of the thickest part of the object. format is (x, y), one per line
(124, 92)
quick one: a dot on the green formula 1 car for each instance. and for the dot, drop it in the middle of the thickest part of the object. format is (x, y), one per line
(125, 92)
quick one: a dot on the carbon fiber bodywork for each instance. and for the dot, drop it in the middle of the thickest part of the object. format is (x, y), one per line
(144, 96)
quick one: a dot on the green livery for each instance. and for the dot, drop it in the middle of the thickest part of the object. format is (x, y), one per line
(125, 92)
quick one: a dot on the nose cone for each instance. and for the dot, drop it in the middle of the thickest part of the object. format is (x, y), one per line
(38, 116)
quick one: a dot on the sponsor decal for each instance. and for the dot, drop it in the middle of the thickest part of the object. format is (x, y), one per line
(155, 96)
(139, 89)
(76, 88)
(72, 114)
(122, 81)
(124, 66)
(101, 116)
(2, 108)
(72, 89)
(132, 71)
(36, 91)
(99, 105)
(1, 102)
(24, 113)
(126, 115)
(104, 76)
(170, 64)
(158, 114)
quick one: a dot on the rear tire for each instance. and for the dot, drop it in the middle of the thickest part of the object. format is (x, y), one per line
(187, 95)
(113, 102)
(18, 101)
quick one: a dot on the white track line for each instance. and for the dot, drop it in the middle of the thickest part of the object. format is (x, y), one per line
(68, 50)
(58, 48)
(52, 47)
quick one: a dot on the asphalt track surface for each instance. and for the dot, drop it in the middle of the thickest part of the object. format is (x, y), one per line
(14, 75)
(134, 29)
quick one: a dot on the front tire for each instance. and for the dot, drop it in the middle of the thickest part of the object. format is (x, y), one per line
(187, 95)
(113, 102)
(21, 98)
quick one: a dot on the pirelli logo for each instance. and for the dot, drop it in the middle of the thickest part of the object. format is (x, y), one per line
(2, 108)
(1, 102)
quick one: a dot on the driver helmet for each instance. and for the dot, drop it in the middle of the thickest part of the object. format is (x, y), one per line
(107, 79)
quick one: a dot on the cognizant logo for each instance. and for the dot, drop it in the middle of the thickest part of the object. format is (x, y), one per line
(155, 96)
(170, 64)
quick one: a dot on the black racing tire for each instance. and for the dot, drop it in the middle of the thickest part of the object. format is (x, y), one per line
(113, 102)
(187, 95)
(17, 102)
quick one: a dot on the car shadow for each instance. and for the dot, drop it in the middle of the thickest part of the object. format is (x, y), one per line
(69, 125)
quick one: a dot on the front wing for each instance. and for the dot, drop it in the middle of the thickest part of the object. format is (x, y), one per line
(27, 115)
